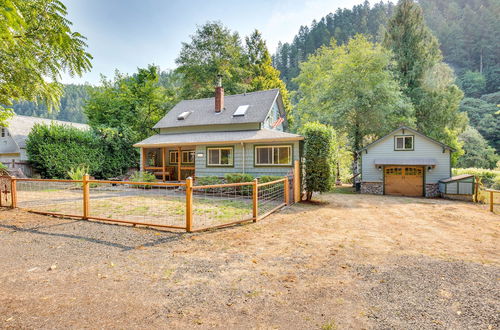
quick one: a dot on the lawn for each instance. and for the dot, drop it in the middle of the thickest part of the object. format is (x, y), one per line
(156, 206)
(351, 261)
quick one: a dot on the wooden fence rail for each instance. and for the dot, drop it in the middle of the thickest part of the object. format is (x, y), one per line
(278, 191)
(492, 193)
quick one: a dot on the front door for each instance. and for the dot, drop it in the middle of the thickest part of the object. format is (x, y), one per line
(404, 180)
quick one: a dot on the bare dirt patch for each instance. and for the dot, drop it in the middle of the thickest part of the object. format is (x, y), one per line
(354, 261)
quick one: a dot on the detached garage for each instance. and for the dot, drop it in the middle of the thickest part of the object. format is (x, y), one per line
(405, 163)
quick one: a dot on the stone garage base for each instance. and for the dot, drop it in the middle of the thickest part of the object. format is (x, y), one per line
(432, 190)
(375, 188)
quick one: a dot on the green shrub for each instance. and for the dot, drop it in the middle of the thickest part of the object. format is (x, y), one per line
(55, 149)
(487, 177)
(77, 172)
(318, 152)
(3, 169)
(269, 178)
(496, 183)
(238, 177)
(208, 180)
(143, 176)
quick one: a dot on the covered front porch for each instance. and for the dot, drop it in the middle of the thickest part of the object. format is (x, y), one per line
(169, 163)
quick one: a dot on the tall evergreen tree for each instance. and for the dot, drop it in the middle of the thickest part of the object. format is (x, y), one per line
(415, 48)
(262, 74)
(424, 78)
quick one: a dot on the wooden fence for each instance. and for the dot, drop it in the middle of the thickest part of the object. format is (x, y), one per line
(492, 198)
(183, 205)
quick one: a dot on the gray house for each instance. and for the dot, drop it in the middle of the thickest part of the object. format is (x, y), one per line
(244, 133)
(406, 163)
(13, 140)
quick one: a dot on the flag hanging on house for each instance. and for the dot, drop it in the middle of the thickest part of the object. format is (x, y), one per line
(278, 122)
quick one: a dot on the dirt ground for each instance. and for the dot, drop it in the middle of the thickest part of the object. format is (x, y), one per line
(350, 261)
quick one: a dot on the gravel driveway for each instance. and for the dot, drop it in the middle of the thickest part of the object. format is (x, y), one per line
(349, 261)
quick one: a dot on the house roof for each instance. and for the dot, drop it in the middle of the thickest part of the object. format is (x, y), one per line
(202, 111)
(411, 130)
(262, 135)
(20, 126)
(402, 161)
(457, 177)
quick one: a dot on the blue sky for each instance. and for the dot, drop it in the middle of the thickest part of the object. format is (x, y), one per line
(126, 34)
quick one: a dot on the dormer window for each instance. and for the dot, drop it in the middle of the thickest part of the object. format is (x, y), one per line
(183, 115)
(5, 132)
(403, 142)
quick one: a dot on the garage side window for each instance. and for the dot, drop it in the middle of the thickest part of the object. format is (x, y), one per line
(403, 142)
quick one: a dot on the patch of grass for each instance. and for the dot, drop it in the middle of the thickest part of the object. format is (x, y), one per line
(49, 190)
(343, 190)
(329, 326)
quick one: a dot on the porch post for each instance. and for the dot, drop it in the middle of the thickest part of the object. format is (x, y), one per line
(163, 162)
(179, 156)
(143, 159)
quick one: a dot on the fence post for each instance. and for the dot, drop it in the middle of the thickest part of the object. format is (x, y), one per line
(86, 197)
(255, 198)
(189, 203)
(491, 201)
(287, 191)
(13, 192)
(476, 190)
(296, 182)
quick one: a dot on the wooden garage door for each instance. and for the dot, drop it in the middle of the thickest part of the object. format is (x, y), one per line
(404, 180)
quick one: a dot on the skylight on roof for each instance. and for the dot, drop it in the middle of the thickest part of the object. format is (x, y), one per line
(242, 109)
(183, 115)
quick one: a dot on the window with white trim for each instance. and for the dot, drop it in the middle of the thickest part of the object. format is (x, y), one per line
(173, 157)
(273, 155)
(403, 142)
(220, 156)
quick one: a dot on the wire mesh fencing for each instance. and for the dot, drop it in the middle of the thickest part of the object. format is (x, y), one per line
(272, 195)
(222, 204)
(5, 191)
(170, 205)
(58, 197)
(152, 204)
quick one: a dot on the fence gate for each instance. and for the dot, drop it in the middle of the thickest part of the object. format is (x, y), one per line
(5, 191)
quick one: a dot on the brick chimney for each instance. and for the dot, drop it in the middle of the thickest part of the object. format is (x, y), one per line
(219, 95)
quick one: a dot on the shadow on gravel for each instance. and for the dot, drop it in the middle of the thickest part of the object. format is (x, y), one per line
(139, 239)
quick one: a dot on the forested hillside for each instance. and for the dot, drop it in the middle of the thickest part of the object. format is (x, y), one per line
(341, 25)
(71, 108)
(468, 32)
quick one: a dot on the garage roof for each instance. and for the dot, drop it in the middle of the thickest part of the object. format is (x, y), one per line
(409, 161)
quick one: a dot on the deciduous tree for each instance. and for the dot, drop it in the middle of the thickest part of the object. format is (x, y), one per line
(36, 45)
(352, 88)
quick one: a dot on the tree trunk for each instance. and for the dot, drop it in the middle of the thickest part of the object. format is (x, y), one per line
(355, 156)
(481, 61)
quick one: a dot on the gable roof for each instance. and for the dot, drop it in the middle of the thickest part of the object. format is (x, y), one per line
(202, 111)
(411, 130)
(20, 126)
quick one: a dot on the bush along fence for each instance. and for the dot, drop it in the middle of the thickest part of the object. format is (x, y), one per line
(181, 205)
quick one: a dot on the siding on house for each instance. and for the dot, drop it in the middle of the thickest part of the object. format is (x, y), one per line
(246, 166)
(423, 148)
(211, 128)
